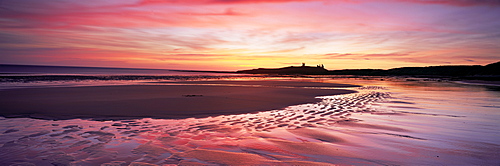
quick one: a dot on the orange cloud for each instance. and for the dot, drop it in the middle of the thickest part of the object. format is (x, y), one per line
(235, 33)
(151, 2)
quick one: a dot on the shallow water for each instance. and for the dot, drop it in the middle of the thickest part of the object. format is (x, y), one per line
(386, 123)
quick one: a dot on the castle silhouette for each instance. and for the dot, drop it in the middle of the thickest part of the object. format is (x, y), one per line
(318, 66)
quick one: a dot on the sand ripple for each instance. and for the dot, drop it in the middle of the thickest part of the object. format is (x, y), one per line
(297, 135)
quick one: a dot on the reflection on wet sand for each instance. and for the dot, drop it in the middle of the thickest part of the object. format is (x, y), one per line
(371, 127)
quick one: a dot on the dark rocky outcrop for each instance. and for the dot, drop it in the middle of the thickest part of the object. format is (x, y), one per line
(306, 70)
(488, 72)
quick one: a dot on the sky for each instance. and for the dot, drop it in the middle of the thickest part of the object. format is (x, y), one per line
(244, 34)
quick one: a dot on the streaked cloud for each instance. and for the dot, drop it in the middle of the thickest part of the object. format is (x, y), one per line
(242, 33)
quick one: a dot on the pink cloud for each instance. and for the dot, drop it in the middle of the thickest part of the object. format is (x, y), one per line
(165, 13)
(194, 31)
(456, 2)
(399, 56)
(226, 12)
(151, 2)
(121, 16)
(442, 2)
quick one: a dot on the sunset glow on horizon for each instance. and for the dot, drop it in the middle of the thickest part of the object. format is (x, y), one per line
(243, 34)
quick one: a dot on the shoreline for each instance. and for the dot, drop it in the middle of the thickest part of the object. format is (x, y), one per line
(479, 82)
(154, 101)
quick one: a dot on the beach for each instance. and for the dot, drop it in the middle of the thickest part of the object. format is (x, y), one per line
(160, 101)
(249, 82)
(258, 121)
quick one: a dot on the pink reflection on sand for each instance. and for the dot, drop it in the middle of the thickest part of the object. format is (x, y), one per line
(384, 124)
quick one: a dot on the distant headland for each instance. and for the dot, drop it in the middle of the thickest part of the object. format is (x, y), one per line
(306, 70)
(490, 70)
(486, 72)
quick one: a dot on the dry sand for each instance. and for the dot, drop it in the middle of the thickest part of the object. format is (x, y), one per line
(157, 101)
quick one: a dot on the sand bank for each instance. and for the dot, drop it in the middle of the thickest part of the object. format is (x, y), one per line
(267, 83)
(156, 101)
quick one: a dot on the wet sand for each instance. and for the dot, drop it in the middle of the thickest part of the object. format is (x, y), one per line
(480, 82)
(294, 135)
(267, 83)
(385, 123)
(159, 101)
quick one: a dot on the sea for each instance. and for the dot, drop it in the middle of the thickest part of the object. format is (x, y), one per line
(22, 76)
(389, 121)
